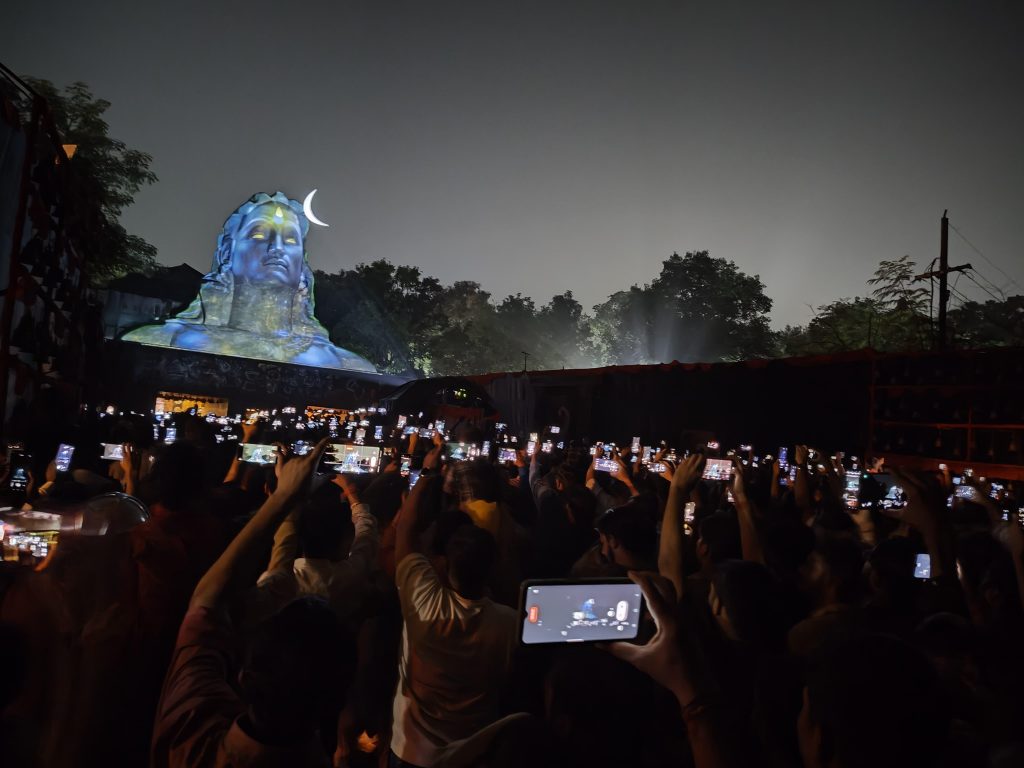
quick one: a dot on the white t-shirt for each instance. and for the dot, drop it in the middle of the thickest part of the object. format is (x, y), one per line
(456, 656)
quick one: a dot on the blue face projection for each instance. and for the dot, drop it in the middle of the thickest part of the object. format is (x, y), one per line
(257, 300)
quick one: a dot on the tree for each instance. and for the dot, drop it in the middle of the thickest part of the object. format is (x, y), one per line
(992, 324)
(699, 308)
(111, 171)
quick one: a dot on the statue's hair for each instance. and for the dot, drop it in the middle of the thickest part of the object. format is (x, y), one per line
(213, 304)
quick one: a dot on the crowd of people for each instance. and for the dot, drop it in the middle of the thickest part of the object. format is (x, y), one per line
(287, 611)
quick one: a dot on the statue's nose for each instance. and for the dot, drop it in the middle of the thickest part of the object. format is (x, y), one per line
(276, 243)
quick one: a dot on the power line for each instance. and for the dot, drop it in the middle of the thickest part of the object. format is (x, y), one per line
(990, 284)
(986, 258)
(986, 290)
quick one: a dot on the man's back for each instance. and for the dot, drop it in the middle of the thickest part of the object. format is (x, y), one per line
(456, 655)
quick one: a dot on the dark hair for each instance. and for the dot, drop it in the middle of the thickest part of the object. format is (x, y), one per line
(297, 665)
(632, 526)
(177, 477)
(876, 700)
(582, 505)
(753, 601)
(477, 479)
(471, 552)
(892, 562)
(323, 524)
(844, 559)
(720, 533)
(384, 496)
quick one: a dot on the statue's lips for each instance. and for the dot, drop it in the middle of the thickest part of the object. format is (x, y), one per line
(276, 261)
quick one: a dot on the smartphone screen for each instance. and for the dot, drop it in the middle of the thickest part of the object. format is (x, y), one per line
(402, 420)
(606, 465)
(546, 446)
(112, 451)
(657, 467)
(171, 435)
(460, 451)
(554, 430)
(530, 447)
(350, 459)
(301, 447)
(851, 490)
(485, 449)
(783, 460)
(579, 611)
(406, 466)
(533, 437)
(19, 479)
(506, 454)
(256, 453)
(923, 567)
(635, 445)
(717, 469)
(378, 433)
(63, 458)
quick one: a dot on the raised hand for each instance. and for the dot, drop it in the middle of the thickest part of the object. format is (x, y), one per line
(687, 474)
(661, 658)
(295, 474)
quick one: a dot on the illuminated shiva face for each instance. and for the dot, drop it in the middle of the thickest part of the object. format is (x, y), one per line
(268, 247)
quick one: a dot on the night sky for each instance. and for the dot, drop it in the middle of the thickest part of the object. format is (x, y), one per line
(545, 146)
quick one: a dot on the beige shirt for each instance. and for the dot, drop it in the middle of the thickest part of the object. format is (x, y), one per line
(456, 656)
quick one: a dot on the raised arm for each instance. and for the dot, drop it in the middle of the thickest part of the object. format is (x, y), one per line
(241, 556)
(670, 547)
(406, 538)
(750, 541)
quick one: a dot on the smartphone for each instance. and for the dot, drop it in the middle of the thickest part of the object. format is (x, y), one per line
(606, 465)
(461, 451)
(851, 490)
(439, 426)
(506, 454)
(995, 490)
(112, 451)
(746, 448)
(657, 467)
(534, 437)
(923, 566)
(414, 476)
(378, 433)
(966, 492)
(717, 469)
(554, 430)
(19, 479)
(530, 447)
(402, 420)
(340, 458)
(410, 431)
(635, 446)
(579, 611)
(546, 446)
(257, 453)
(301, 447)
(783, 460)
(63, 459)
(406, 466)
(426, 432)
(171, 435)
(485, 449)
(689, 512)
(713, 445)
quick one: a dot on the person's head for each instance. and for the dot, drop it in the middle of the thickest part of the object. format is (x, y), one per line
(177, 479)
(384, 496)
(892, 569)
(476, 480)
(718, 539)
(322, 528)
(564, 477)
(296, 668)
(580, 506)
(871, 701)
(747, 604)
(833, 574)
(470, 553)
(628, 535)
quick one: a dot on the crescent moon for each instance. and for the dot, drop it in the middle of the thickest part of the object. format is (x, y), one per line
(307, 208)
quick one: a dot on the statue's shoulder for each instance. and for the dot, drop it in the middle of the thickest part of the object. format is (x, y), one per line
(160, 334)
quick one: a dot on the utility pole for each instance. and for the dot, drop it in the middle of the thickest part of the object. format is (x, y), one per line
(526, 356)
(943, 274)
